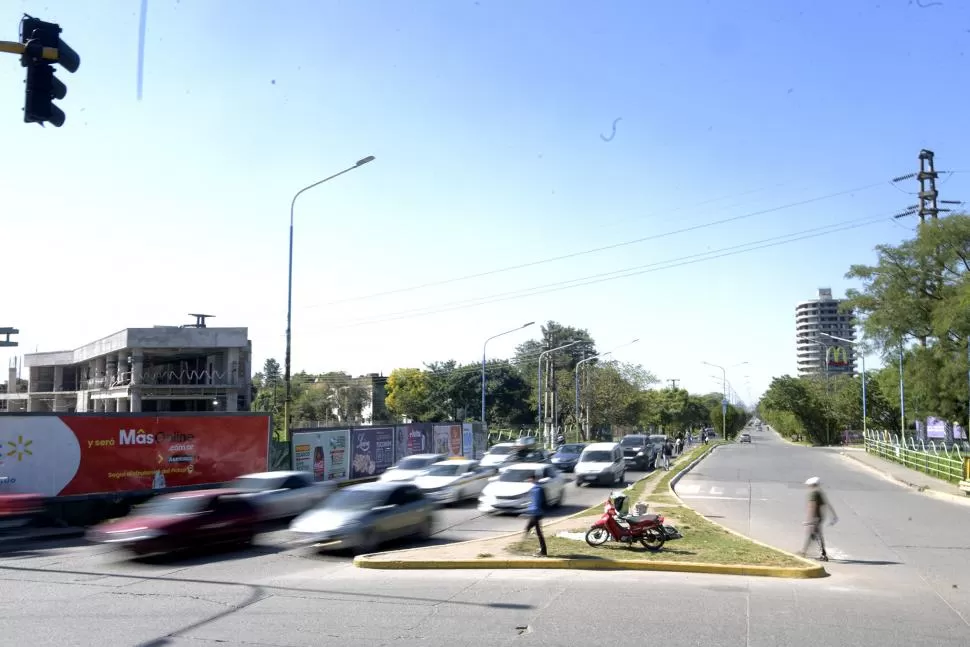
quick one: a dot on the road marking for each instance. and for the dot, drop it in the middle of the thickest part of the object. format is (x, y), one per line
(742, 491)
(689, 488)
(717, 490)
(720, 498)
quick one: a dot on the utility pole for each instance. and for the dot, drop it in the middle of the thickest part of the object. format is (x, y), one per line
(929, 196)
(673, 383)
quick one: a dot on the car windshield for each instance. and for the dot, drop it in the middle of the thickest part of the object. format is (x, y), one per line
(516, 476)
(597, 457)
(444, 470)
(570, 449)
(350, 499)
(632, 441)
(658, 440)
(165, 506)
(255, 484)
(415, 463)
(501, 450)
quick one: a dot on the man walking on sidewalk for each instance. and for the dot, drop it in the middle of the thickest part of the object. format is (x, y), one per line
(535, 511)
(817, 503)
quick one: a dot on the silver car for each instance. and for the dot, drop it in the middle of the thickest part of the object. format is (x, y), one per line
(283, 494)
(362, 517)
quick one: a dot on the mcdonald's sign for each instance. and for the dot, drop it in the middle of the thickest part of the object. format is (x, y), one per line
(836, 356)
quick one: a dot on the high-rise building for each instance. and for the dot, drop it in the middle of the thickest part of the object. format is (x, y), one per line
(817, 353)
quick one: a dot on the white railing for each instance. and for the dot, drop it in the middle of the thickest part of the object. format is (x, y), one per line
(935, 459)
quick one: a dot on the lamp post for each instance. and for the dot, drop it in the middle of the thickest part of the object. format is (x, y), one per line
(865, 427)
(289, 288)
(484, 346)
(578, 364)
(724, 402)
(539, 381)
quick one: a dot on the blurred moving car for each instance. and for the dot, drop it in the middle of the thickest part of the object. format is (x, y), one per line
(19, 510)
(509, 491)
(454, 480)
(362, 517)
(524, 450)
(172, 522)
(744, 438)
(566, 457)
(283, 494)
(639, 451)
(411, 467)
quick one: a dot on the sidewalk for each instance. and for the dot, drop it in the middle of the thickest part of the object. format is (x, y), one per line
(908, 477)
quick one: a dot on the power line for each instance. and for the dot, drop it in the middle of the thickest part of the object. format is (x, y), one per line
(623, 273)
(595, 250)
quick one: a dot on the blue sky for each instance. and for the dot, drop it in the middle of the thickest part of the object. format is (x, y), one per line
(486, 120)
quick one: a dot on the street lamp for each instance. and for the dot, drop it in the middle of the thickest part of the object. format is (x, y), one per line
(865, 428)
(484, 346)
(289, 289)
(724, 402)
(539, 380)
(578, 364)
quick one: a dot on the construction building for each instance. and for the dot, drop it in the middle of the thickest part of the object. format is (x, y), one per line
(819, 354)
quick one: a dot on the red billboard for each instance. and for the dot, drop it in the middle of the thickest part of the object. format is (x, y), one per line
(91, 454)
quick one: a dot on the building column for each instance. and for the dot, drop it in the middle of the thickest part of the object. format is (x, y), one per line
(109, 405)
(232, 367)
(99, 368)
(99, 406)
(137, 366)
(110, 370)
(58, 378)
(121, 405)
(135, 402)
(124, 369)
(231, 400)
(12, 380)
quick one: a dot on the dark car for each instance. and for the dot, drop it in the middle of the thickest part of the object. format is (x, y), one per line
(639, 452)
(566, 457)
(173, 522)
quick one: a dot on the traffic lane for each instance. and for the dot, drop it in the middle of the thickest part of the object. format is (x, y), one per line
(274, 600)
(463, 521)
(886, 534)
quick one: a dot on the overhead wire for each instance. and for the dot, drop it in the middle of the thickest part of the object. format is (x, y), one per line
(603, 248)
(622, 273)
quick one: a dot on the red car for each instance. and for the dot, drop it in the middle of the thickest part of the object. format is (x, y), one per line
(174, 522)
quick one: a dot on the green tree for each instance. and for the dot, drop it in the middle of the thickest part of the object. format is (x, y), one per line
(408, 391)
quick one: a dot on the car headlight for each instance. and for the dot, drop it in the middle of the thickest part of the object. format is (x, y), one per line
(639, 454)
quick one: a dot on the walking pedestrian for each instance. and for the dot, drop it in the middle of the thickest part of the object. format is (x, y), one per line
(535, 512)
(668, 451)
(818, 503)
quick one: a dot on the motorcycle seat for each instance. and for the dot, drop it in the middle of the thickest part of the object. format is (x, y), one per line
(632, 518)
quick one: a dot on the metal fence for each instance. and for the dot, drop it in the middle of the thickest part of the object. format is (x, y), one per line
(935, 459)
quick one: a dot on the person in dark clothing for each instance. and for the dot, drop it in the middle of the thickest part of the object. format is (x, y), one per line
(535, 511)
(817, 504)
(668, 452)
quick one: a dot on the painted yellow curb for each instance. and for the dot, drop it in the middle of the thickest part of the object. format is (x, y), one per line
(367, 561)
(811, 567)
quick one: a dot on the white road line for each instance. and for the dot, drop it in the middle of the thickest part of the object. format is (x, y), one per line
(690, 488)
(717, 490)
(720, 498)
(741, 491)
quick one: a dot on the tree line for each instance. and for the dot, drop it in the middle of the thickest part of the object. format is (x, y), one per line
(913, 309)
(615, 396)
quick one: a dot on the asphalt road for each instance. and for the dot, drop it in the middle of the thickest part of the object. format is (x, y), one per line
(888, 537)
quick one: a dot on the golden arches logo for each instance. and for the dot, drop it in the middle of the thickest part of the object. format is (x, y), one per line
(836, 356)
(19, 448)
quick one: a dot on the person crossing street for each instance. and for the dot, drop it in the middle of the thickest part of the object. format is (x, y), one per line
(818, 503)
(535, 512)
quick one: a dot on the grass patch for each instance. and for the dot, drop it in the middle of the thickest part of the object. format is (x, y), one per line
(703, 541)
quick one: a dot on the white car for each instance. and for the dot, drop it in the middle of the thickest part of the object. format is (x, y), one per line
(283, 494)
(454, 480)
(411, 467)
(509, 491)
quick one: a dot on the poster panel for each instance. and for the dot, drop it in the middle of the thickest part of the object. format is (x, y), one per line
(454, 440)
(441, 439)
(323, 452)
(467, 440)
(373, 451)
(479, 442)
(69, 455)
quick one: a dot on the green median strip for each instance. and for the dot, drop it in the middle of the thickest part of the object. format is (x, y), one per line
(703, 541)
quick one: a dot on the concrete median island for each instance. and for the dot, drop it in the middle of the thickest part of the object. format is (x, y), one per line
(706, 547)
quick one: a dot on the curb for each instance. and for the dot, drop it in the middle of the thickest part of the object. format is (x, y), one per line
(66, 533)
(921, 489)
(811, 571)
(365, 561)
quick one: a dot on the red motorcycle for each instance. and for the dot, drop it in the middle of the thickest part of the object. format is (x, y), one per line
(648, 529)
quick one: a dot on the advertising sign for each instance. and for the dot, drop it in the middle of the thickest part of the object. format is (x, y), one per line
(373, 451)
(412, 439)
(837, 356)
(441, 439)
(66, 455)
(454, 440)
(468, 440)
(325, 453)
(480, 443)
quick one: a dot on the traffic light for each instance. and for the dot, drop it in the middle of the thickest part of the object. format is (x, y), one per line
(43, 48)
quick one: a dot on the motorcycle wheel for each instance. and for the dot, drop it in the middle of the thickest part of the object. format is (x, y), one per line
(652, 541)
(597, 536)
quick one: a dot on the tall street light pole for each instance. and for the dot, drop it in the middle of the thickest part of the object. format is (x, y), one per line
(724, 401)
(539, 380)
(289, 288)
(578, 364)
(484, 346)
(865, 427)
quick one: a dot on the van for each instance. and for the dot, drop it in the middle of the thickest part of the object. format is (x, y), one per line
(601, 463)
